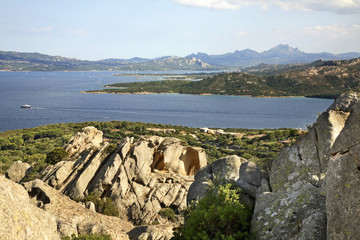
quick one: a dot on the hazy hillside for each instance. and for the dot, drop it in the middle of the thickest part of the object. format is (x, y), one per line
(14, 61)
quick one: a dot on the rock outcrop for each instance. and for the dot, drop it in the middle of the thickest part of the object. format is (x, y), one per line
(90, 137)
(17, 171)
(73, 218)
(142, 176)
(313, 190)
(19, 218)
(342, 181)
(244, 174)
(155, 232)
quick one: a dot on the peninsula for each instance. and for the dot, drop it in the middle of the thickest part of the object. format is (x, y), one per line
(323, 79)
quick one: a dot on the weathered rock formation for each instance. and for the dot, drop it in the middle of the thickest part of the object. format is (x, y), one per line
(315, 183)
(90, 137)
(142, 177)
(19, 218)
(73, 218)
(155, 232)
(230, 168)
(17, 171)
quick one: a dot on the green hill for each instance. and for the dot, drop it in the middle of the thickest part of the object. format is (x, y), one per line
(319, 79)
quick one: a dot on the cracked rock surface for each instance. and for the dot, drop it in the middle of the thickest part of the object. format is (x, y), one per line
(314, 184)
(142, 177)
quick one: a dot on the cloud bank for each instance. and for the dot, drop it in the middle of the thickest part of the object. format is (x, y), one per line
(338, 6)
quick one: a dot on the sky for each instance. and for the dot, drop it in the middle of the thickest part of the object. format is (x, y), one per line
(94, 29)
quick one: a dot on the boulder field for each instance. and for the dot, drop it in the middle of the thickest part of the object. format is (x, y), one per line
(312, 190)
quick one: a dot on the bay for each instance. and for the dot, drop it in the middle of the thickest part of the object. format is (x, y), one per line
(56, 98)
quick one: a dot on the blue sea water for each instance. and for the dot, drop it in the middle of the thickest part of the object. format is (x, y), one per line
(55, 98)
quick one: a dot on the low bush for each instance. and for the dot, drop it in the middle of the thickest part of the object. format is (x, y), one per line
(105, 205)
(56, 155)
(219, 215)
(88, 237)
(167, 213)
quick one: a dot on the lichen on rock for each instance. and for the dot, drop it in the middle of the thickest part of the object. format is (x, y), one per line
(313, 182)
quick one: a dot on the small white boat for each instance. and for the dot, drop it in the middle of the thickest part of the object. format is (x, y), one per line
(25, 106)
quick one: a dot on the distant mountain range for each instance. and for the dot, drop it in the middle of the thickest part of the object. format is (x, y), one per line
(15, 61)
(281, 54)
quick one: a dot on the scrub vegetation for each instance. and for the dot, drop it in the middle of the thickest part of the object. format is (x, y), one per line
(42, 146)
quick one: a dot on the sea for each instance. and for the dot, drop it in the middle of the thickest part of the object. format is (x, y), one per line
(56, 97)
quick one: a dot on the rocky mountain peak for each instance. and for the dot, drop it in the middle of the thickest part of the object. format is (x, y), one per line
(281, 50)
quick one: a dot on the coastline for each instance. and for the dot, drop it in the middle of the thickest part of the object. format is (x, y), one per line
(200, 94)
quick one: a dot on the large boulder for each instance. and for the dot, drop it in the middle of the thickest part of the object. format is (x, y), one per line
(17, 171)
(223, 169)
(342, 181)
(19, 218)
(286, 214)
(313, 190)
(233, 168)
(73, 218)
(156, 232)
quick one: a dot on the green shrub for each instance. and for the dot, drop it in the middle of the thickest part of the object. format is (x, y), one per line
(270, 135)
(278, 133)
(56, 155)
(217, 216)
(105, 206)
(286, 133)
(110, 149)
(294, 132)
(167, 213)
(88, 237)
(52, 133)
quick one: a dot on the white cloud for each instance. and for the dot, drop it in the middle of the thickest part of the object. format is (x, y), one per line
(241, 33)
(332, 31)
(338, 6)
(79, 33)
(41, 30)
(217, 4)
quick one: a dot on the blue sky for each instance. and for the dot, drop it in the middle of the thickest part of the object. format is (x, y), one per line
(96, 30)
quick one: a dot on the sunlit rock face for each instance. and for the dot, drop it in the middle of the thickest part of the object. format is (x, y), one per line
(141, 176)
(20, 219)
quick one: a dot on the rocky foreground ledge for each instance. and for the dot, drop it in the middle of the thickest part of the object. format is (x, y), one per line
(311, 191)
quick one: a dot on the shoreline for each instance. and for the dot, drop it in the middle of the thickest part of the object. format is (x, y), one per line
(199, 94)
